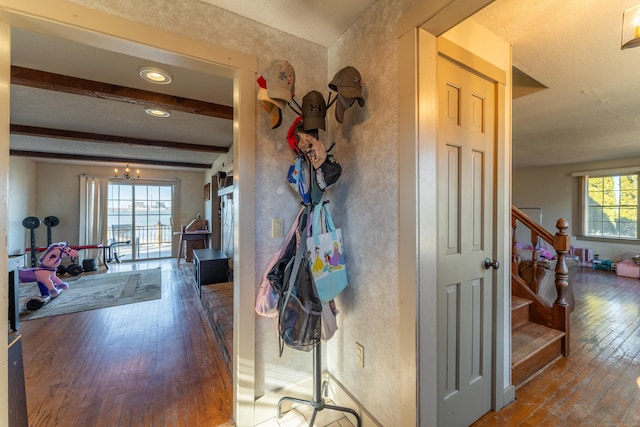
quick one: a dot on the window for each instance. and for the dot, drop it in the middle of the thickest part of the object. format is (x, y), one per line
(142, 214)
(610, 208)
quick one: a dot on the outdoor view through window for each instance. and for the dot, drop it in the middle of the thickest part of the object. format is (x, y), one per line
(612, 206)
(142, 214)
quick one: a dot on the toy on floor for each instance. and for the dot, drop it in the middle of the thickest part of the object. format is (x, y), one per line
(45, 274)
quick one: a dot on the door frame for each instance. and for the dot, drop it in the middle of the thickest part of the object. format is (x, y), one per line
(418, 32)
(62, 19)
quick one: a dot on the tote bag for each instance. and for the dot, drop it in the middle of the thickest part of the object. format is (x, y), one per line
(272, 284)
(326, 255)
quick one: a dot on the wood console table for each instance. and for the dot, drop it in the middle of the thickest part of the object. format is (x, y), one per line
(202, 236)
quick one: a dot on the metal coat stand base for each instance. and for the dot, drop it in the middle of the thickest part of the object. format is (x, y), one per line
(318, 401)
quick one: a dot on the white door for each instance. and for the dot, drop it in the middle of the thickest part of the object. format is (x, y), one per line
(466, 140)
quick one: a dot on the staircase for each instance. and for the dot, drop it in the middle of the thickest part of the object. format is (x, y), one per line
(533, 345)
(539, 333)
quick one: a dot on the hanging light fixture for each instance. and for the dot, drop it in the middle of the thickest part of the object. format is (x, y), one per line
(631, 27)
(126, 175)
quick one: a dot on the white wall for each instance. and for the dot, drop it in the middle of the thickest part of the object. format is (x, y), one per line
(555, 192)
(22, 202)
(33, 185)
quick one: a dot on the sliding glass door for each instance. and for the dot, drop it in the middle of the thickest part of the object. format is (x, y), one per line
(140, 213)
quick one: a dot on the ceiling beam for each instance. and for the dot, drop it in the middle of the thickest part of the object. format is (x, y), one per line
(40, 132)
(80, 157)
(76, 86)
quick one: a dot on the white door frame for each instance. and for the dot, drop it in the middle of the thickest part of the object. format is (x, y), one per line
(62, 19)
(417, 32)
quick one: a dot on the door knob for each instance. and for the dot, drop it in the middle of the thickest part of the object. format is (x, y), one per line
(488, 263)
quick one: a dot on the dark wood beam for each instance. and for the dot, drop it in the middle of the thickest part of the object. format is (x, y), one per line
(76, 86)
(39, 132)
(80, 157)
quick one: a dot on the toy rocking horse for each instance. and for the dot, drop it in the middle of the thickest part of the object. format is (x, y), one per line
(45, 274)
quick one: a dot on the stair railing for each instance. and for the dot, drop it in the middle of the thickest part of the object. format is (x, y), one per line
(557, 316)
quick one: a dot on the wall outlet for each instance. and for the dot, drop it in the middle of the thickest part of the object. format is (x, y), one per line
(360, 354)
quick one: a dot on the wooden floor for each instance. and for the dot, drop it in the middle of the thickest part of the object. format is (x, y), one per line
(154, 363)
(599, 384)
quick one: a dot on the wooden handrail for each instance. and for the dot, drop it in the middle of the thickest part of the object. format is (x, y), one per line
(536, 228)
(556, 316)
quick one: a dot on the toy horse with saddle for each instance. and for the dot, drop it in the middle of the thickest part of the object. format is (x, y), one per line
(45, 274)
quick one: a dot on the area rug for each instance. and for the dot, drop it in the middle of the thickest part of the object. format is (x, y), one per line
(92, 291)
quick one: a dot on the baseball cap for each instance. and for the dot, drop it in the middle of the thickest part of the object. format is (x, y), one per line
(342, 104)
(328, 173)
(280, 78)
(314, 111)
(270, 106)
(312, 147)
(348, 83)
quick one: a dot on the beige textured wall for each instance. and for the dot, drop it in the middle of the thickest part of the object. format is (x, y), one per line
(365, 205)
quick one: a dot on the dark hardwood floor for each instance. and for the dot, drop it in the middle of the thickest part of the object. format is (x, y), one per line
(154, 363)
(157, 363)
(599, 384)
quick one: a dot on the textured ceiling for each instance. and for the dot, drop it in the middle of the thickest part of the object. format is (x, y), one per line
(591, 109)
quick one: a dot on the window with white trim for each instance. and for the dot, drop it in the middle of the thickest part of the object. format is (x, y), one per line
(610, 206)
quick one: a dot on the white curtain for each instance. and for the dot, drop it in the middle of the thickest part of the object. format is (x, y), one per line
(93, 213)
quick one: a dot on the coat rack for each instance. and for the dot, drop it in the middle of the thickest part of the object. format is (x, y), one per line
(318, 403)
(275, 93)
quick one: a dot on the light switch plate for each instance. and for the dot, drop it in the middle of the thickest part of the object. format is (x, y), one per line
(277, 228)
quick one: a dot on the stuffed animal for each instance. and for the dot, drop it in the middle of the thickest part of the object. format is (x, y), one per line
(45, 273)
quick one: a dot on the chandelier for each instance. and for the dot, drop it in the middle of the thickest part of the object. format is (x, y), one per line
(127, 173)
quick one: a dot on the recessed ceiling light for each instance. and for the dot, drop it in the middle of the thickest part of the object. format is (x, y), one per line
(156, 112)
(155, 75)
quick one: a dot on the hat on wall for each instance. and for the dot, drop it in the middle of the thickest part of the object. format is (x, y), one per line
(314, 111)
(328, 173)
(272, 106)
(292, 136)
(342, 104)
(280, 79)
(312, 147)
(348, 83)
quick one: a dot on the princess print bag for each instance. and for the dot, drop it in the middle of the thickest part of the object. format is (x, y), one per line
(325, 250)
